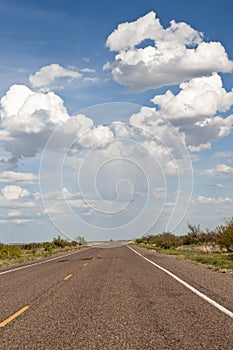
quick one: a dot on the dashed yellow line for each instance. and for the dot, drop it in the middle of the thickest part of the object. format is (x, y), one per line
(11, 318)
(67, 277)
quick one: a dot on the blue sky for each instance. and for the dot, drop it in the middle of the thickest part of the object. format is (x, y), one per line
(37, 33)
(59, 58)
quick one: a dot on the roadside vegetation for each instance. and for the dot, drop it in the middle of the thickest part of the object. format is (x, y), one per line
(19, 253)
(214, 248)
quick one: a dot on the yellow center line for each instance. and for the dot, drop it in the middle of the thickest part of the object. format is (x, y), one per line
(9, 319)
(67, 277)
(85, 264)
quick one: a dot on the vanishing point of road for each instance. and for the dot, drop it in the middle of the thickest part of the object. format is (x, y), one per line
(118, 298)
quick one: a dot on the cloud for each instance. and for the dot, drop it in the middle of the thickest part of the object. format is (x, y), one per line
(199, 148)
(28, 118)
(47, 74)
(194, 111)
(227, 154)
(211, 200)
(129, 35)
(153, 121)
(18, 177)
(26, 111)
(159, 192)
(8, 163)
(14, 192)
(87, 70)
(221, 171)
(211, 129)
(161, 138)
(99, 136)
(198, 99)
(17, 203)
(173, 54)
(57, 201)
(91, 80)
(14, 213)
(16, 221)
(216, 185)
(22, 221)
(118, 161)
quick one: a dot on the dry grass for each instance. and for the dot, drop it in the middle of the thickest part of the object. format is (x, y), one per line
(215, 260)
(11, 255)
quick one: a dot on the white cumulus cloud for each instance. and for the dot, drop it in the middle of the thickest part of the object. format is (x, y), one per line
(216, 185)
(14, 213)
(226, 154)
(173, 55)
(14, 192)
(19, 177)
(23, 110)
(198, 98)
(97, 137)
(220, 171)
(28, 118)
(212, 200)
(194, 111)
(47, 74)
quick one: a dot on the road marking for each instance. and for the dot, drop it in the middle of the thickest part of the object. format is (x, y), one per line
(85, 264)
(194, 290)
(42, 262)
(11, 318)
(67, 277)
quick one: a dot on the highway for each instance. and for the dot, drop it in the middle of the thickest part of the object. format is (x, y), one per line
(118, 298)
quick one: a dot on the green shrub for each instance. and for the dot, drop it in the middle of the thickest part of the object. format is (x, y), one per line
(59, 242)
(47, 246)
(9, 252)
(139, 240)
(225, 238)
(164, 240)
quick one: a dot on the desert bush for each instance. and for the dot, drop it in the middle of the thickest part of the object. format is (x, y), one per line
(193, 236)
(139, 240)
(225, 235)
(7, 251)
(47, 246)
(166, 240)
(60, 242)
(208, 237)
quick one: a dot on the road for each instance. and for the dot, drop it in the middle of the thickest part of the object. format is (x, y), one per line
(114, 299)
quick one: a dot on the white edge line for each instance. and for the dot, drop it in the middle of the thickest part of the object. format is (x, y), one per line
(42, 262)
(201, 295)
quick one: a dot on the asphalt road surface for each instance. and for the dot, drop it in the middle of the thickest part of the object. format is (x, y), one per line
(115, 299)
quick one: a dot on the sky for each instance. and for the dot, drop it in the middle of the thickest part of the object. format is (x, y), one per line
(116, 118)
